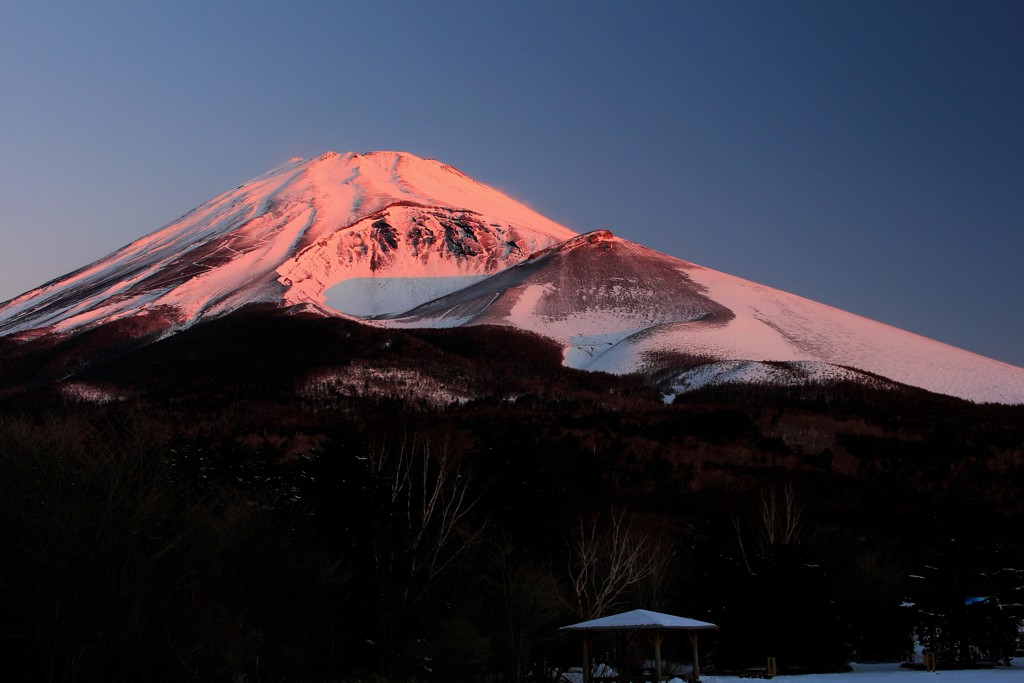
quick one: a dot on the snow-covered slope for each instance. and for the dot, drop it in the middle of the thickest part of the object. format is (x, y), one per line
(619, 307)
(289, 235)
(775, 373)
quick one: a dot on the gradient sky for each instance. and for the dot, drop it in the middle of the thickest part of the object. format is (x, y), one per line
(868, 155)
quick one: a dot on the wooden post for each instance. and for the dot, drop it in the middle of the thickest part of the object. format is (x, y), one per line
(586, 658)
(696, 658)
(657, 656)
(623, 638)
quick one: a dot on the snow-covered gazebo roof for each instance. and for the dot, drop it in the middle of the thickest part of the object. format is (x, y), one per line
(642, 619)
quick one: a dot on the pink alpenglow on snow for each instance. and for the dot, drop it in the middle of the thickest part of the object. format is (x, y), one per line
(397, 240)
(289, 235)
(619, 307)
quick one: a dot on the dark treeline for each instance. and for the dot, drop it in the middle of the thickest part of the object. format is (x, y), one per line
(213, 521)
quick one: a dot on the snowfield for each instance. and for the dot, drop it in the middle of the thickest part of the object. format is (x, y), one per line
(776, 373)
(873, 673)
(892, 673)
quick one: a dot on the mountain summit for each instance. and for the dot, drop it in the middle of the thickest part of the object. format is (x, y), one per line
(289, 235)
(401, 241)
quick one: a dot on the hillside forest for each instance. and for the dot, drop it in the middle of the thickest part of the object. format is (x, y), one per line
(282, 497)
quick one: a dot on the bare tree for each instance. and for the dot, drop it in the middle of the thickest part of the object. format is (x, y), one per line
(780, 520)
(527, 594)
(608, 558)
(656, 586)
(778, 523)
(429, 498)
(420, 528)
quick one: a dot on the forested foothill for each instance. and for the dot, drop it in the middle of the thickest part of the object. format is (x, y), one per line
(285, 497)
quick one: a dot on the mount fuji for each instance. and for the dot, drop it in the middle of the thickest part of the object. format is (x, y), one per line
(398, 241)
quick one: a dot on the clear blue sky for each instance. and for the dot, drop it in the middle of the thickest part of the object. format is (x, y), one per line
(869, 155)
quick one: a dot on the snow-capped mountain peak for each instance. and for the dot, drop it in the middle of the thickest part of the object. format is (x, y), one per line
(290, 234)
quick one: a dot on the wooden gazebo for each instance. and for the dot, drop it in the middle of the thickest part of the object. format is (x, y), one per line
(654, 624)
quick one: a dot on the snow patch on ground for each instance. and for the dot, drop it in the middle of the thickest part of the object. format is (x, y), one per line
(872, 673)
(368, 380)
(371, 296)
(84, 392)
(893, 673)
(795, 373)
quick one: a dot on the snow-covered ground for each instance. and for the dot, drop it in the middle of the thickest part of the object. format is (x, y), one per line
(892, 673)
(873, 673)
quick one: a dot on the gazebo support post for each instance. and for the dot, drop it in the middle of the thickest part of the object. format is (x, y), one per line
(624, 653)
(657, 656)
(696, 657)
(586, 658)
